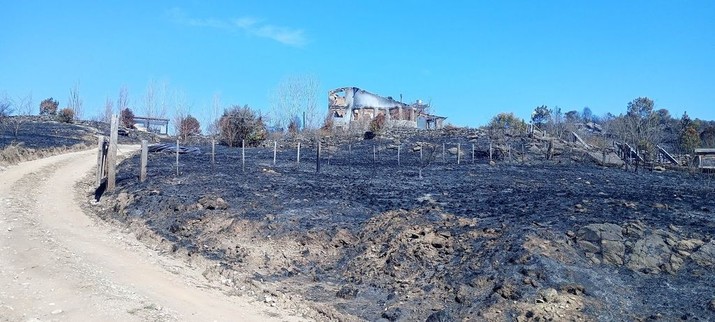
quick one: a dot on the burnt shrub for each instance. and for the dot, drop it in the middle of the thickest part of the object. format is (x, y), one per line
(49, 106)
(377, 123)
(189, 126)
(126, 118)
(66, 115)
(241, 123)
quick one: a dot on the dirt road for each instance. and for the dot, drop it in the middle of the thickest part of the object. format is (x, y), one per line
(57, 263)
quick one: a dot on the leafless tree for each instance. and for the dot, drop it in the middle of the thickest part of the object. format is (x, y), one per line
(123, 100)
(23, 108)
(108, 110)
(75, 101)
(295, 95)
(213, 126)
(5, 110)
(181, 109)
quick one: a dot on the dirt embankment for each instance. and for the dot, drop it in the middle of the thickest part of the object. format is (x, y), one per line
(368, 239)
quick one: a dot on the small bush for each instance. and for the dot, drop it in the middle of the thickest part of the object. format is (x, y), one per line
(49, 106)
(242, 123)
(189, 126)
(66, 115)
(377, 123)
(126, 118)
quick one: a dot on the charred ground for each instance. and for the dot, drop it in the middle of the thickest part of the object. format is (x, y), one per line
(523, 238)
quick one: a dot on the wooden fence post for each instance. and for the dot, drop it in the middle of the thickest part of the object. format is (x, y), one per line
(398, 155)
(472, 152)
(374, 153)
(490, 151)
(421, 148)
(177, 157)
(459, 150)
(213, 151)
(100, 158)
(243, 155)
(112, 155)
(443, 159)
(275, 147)
(317, 159)
(297, 158)
(144, 159)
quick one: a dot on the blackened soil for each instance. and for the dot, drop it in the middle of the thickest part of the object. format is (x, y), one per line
(426, 240)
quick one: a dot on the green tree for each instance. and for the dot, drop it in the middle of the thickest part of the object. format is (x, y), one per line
(541, 115)
(506, 123)
(641, 125)
(242, 123)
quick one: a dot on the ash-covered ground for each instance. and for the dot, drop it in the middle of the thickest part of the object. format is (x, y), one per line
(520, 239)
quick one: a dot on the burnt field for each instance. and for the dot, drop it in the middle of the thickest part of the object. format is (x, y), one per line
(429, 239)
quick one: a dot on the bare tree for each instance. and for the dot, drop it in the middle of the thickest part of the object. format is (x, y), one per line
(150, 100)
(213, 126)
(295, 96)
(5, 110)
(181, 109)
(123, 100)
(75, 102)
(23, 108)
(108, 110)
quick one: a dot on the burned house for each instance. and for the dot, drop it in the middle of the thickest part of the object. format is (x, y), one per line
(351, 107)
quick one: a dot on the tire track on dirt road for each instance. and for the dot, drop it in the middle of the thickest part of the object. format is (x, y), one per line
(56, 263)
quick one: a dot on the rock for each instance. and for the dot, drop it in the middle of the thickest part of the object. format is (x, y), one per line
(507, 291)
(575, 289)
(439, 316)
(213, 203)
(123, 200)
(604, 239)
(711, 306)
(548, 295)
(596, 232)
(347, 292)
(588, 246)
(392, 314)
(649, 254)
(689, 244)
(675, 263)
(634, 229)
(55, 312)
(705, 256)
(613, 252)
(453, 151)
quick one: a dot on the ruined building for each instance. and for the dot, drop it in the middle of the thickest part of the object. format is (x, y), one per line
(351, 106)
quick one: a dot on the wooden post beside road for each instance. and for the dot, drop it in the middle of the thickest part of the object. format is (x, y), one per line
(297, 158)
(275, 147)
(243, 155)
(398, 155)
(177, 157)
(112, 155)
(100, 158)
(144, 159)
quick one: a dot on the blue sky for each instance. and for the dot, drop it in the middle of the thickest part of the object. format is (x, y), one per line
(472, 59)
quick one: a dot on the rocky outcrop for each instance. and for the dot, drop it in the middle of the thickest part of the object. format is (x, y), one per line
(603, 243)
(642, 250)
